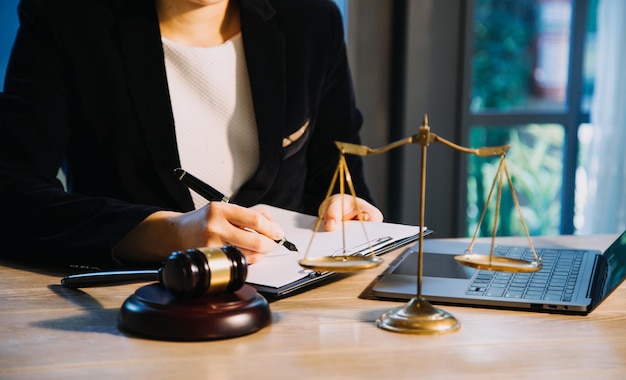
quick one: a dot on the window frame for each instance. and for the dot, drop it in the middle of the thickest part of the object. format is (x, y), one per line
(570, 117)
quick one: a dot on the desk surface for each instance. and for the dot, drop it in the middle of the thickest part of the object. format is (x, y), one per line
(47, 331)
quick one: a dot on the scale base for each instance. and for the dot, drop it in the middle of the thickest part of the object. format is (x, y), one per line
(153, 312)
(418, 316)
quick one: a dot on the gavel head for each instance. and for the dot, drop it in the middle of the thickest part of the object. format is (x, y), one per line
(199, 271)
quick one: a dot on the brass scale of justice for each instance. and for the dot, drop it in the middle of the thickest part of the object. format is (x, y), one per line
(418, 316)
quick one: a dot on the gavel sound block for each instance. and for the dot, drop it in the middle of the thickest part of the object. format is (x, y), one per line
(200, 295)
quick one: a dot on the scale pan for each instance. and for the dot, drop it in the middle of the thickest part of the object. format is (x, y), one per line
(497, 263)
(340, 263)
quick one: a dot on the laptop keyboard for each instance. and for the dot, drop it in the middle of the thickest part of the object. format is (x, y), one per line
(554, 282)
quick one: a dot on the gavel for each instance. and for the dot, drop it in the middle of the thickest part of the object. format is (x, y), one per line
(186, 274)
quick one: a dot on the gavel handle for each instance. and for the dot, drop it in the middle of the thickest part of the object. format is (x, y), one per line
(112, 278)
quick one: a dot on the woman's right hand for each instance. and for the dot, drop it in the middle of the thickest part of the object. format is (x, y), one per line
(216, 224)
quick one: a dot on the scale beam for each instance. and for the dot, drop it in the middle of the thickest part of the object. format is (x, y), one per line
(418, 316)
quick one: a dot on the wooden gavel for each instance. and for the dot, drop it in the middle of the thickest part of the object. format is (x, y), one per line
(186, 274)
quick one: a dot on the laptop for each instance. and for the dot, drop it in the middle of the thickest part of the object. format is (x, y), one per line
(571, 281)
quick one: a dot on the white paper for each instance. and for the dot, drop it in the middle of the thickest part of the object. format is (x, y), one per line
(281, 267)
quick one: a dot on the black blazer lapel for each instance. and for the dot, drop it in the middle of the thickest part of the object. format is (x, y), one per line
(264, 44)
(142, 49)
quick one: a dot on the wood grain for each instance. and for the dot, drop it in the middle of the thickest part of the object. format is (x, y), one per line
(49, 332)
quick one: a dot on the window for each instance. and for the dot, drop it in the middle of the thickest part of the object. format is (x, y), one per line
(530, 65)
(8, 28)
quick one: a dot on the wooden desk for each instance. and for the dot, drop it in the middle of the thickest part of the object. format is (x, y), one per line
(50, 332)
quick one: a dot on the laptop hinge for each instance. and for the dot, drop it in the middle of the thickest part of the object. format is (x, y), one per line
(598, 281)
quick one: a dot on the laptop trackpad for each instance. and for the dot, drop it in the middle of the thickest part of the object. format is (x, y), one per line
(435, 265)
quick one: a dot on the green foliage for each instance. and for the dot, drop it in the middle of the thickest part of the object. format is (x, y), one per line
(535, 163)
(503, 60)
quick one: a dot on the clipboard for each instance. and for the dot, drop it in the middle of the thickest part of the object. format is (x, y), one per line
(279, 274)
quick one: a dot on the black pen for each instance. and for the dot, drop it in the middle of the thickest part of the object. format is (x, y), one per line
(204, 189)
(211, 194)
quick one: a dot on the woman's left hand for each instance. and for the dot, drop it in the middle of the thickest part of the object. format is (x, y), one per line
(351, 207)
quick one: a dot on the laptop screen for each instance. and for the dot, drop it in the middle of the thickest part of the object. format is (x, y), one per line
(615, 257)
(435, 265)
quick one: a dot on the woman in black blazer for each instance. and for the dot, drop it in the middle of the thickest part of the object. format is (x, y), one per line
(86, 90)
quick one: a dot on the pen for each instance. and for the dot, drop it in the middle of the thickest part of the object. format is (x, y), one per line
(211, 194)
(205, 190)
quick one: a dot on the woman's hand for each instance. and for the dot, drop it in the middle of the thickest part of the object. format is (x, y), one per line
(214, 225)
(331, 210)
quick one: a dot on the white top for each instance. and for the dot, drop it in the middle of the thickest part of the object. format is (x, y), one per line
(213, 113)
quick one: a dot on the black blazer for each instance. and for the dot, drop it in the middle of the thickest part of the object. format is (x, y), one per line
(86, 88)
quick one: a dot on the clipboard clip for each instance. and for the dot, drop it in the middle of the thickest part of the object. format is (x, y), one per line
(365, 248)
(368, 248)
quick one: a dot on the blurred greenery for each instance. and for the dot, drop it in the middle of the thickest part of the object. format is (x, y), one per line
(503, 58)
(536, 154)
